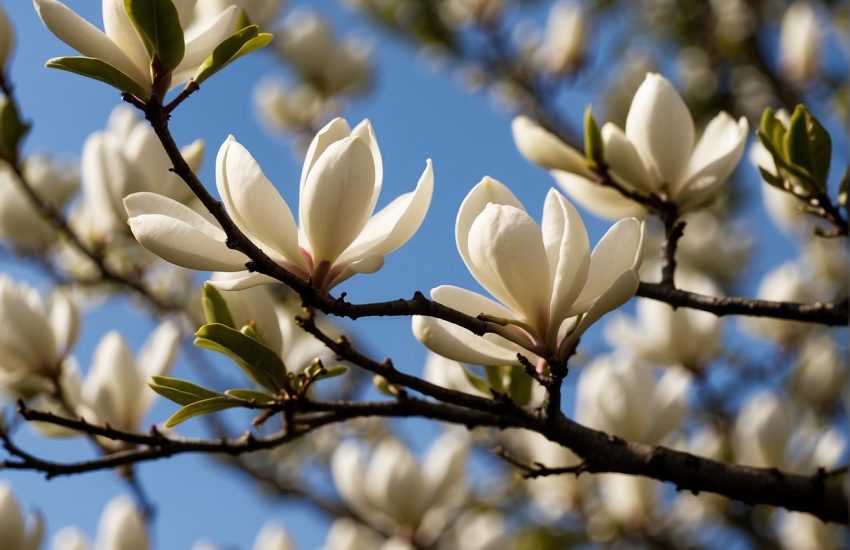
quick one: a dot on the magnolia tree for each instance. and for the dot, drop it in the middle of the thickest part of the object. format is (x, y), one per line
(631, 388)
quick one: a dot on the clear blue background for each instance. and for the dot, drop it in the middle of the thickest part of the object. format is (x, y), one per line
(417, 112)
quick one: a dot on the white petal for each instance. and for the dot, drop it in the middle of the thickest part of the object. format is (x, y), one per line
(506, 249)
(617, 294)
(668, 404)
(182, 244)
(64, 320)
(365, 131)
(546, 149)
(119, 28)
(617, 252)
(242, 280)
(714, 158)
(486, 191)
(624, 162)
(336, 198)
(112, 385)
(660, 126)
(332, 132)
(87, 39)
(395, 223)
(121, 527)
(458, 344)
(202, 40)
(11, 520)
(254, 204)
(156, 359)
(604, 202)
(568, 248)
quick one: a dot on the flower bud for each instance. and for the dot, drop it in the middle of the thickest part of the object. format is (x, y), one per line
(14, 532)
(121, 527)
(799, 42)
(564, 43)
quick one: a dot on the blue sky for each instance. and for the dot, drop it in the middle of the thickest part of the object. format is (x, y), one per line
(417, 114)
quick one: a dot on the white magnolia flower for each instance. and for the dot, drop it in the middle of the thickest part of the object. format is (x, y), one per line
(116, 390)
(7, 39)
(785, 283)
(821, 371)
(769, 432)
(799, 42)
(16, 532)
(565, 38)
(665, 336)
(307, 43)
(799, 531)
(657, 153)
(126, 158)
(448, 374)
(260, 13)
(628, 500)
(21, 223)
(345, 534)
(120, 45)
(338, 235)
(121, 527)
(70, 538)
(619, 396)
(284, 108)
(35, 339)
(551, 286)
(394, 491)
(273, 537)
(476, 530)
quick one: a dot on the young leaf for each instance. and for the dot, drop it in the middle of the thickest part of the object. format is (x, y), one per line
(250, 395)
(495, 377)
(99, 70)
(477, 382)
(260, 363)
(821, 149)
(11, 127)
(240, 43)
(796, 144)
(205, 406)
(181, 392)
(215, 308)
(593, 147)
(333, 372)
(158, 24)
(519, 386)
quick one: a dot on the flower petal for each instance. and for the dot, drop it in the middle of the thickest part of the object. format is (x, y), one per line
(87, 39)
(568, 248)
(119, 29)
(714, 158)
(458, 344)
(335, 200)
(506, 249)
(365, 131)
(332, 132)
(545, 149)
(618, 252)
(624, 162)
(604, 202)
(179, 235)
(661, 128)
(201, 40)
(254, 204)
(486, 191)
(395, 224)
(242, 280)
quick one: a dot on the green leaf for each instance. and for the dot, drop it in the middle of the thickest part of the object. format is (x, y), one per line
(180, 391)
(259, 362)
(477, 382)
(240, 43)
(250, 395)
(519, 386)
(821, 149)
(772, 179)
(768, 122)
(99, 70)
(804, 177)
(11, 127)
(215, 308)
(593, 147)
(333, 372)
(796, 143)
(158, 24)
(205, 406)
(495, 377)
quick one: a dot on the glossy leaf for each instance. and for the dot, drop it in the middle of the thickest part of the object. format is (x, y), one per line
(205, 406)
(242, 42)
(250, 395)
(99, 70)
(258, 361)
(180, 391)
(215, 308)
(158, 24)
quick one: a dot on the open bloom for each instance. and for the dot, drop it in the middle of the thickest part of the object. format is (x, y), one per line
(657, 153)
(120, 45)
(338, 235)
(550, 286)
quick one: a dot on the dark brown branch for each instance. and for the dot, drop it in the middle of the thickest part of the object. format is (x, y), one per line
(538, 469)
